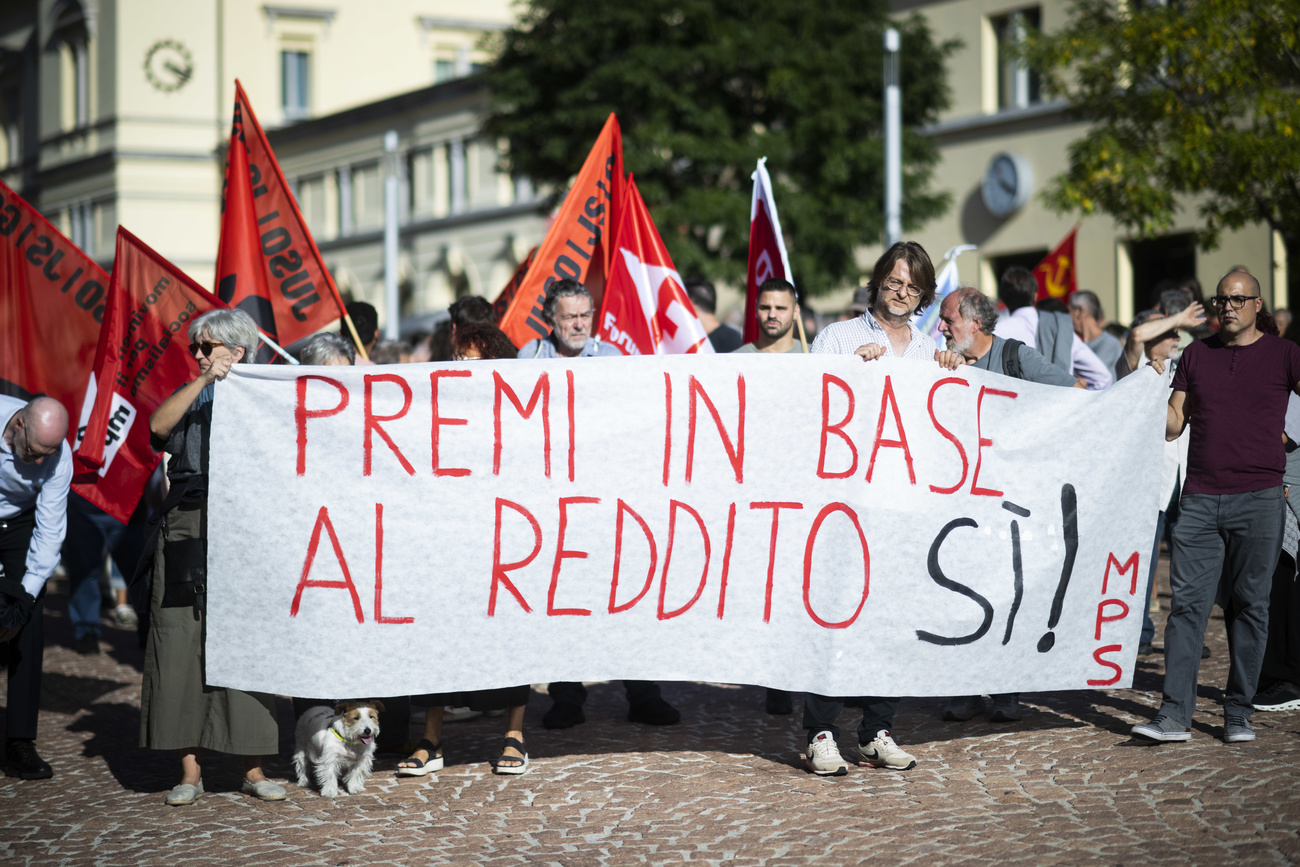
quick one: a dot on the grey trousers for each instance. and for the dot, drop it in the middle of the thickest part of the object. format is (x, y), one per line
(1236, 538)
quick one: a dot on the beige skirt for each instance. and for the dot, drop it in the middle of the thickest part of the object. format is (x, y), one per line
(178, 710)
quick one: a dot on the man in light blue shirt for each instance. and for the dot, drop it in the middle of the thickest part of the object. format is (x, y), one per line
(35, 471)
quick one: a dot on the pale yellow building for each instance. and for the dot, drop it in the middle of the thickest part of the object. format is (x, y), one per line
(998, 108)
(117, 111)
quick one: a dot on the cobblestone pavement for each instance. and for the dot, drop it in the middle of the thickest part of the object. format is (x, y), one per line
(1066, 785)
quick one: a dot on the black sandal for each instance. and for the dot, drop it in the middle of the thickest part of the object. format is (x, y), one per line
(512, 770)
(419, 768)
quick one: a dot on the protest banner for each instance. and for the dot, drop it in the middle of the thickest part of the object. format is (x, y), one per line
(1058, 273)
(767, 256)
(802, 522)
(142, 357)
(646, 310)
(267, 261)
(577, 244)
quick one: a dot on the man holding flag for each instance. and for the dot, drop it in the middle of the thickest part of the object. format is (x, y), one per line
(778, 308)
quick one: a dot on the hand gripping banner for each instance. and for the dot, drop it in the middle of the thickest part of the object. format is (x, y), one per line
(789, 521)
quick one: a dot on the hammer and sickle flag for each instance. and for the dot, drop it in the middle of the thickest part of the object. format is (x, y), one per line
(1057, 275)
(577, 244)
(645, 309)
(267, 262)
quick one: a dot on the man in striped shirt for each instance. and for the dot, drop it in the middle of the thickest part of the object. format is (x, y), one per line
(902, 282)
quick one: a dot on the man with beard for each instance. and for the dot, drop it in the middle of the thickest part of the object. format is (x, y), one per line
(777, 307)
(568, 310)
(901, 282)
(967, 318)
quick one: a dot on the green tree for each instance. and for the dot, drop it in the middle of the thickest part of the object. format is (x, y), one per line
(1194, 101)
(702, 88)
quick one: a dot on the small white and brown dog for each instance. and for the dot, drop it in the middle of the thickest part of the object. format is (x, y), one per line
(337, 743)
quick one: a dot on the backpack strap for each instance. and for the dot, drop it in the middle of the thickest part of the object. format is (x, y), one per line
(1011, 359)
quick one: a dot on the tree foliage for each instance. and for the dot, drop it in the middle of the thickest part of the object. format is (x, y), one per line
(702, 89)
(1195, 101)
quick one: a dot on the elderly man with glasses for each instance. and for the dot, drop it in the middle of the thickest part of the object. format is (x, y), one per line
(1233, 388)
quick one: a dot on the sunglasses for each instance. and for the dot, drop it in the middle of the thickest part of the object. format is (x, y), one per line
(205, 347)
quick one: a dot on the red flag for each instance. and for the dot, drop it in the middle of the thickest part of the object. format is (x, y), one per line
(645, 309)
(767, 256)
(576, 246)
(142, 357)
(52, 300)
(511, 289)
(1057, 274)
(267, 262)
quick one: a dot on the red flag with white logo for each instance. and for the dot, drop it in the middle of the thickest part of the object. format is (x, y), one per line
(767, 258)
(142, 357)
(645, 310)
(577, 244)
(267, 262)
(1057, 274)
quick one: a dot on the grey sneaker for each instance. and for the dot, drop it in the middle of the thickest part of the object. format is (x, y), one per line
(264, 790)
(1237, 729)
(184, 794)
(884, 753)
(823, 756)
(962, 707)
(1163, 729)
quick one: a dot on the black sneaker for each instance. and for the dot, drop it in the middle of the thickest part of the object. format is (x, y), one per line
(87, 645)
(1205, 651)
(564, 715)
(22, 760)
(1279, 696)
(654, 712)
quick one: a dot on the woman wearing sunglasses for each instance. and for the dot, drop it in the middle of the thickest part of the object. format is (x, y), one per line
(178, 711)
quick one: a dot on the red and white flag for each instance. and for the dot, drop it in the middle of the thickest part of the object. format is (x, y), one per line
(767, 256)
(142, 357)
(646, 310)
(267, 262)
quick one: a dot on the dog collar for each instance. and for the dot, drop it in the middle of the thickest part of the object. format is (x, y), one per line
(334, 732)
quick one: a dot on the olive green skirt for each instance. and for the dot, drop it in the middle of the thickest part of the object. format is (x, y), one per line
(178, 710)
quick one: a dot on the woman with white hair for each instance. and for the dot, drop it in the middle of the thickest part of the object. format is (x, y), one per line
(178, 711)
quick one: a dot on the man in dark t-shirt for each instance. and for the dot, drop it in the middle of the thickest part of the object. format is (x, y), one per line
(1233, 388)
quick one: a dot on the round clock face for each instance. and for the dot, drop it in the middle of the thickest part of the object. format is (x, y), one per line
(1006, 185)
(168, 65)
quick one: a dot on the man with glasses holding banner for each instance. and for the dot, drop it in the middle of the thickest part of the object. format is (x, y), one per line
(1233, 388)
(901, 282)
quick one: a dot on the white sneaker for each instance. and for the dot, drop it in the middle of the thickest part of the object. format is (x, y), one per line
(824, 756)
(882, 752)
(125, 615)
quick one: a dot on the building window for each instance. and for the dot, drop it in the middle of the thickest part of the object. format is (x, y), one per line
(10, 128)
(1018, 85)
(443, 70)
(367, 196)
(295, 84)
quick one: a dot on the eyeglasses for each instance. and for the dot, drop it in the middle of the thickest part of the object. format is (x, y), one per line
(1237, 301)
(898, 286)
(206, 347)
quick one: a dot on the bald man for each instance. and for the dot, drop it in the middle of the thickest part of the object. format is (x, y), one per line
(35, 470)
(1233, 388)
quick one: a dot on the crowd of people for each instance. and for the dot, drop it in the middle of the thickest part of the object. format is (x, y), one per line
(1233, 429)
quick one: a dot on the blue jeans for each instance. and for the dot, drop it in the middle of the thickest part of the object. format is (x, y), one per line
(91, 531)
(821, 711)
(1236, 538)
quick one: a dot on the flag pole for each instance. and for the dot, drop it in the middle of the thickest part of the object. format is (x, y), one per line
(356, 338)
(803, 337)
(277, 347)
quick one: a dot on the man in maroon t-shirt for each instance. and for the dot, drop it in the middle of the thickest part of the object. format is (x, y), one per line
(1233, 388)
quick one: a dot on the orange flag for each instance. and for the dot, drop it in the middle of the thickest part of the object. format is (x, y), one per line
(1057, 274)
(577, 245)
(267, 262)
(141, 359)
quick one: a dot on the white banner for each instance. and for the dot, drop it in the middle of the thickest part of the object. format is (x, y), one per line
(803, 522)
